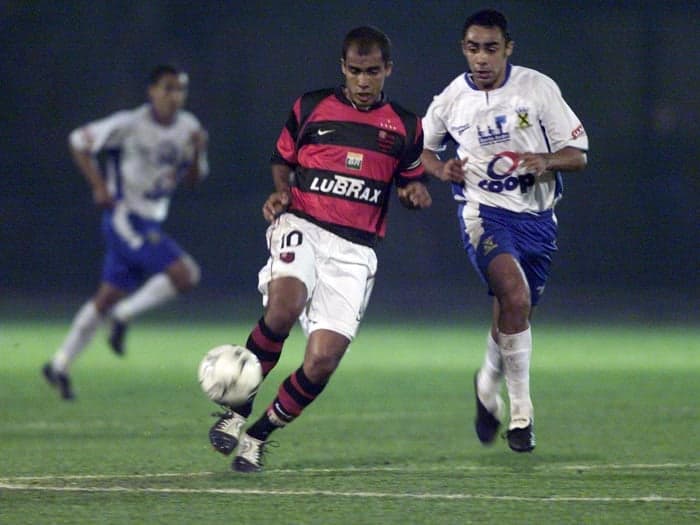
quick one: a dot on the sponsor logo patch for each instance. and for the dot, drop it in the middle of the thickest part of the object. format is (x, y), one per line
(495, 134)
(353, 161)
(349, 187)
(578, 132)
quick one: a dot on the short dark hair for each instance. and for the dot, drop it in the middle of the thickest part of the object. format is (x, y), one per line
(488, 18)
(366, 38)
(160, 71)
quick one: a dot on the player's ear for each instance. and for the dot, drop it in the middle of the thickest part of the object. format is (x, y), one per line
(389, 67)
(510, 45)
(342, 66)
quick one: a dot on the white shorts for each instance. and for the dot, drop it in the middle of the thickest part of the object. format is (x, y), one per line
(338, 274)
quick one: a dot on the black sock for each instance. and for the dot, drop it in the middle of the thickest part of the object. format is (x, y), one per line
(262, 428)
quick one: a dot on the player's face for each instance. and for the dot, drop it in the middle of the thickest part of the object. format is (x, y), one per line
(364, 76)
(168, 96)
(487, 53)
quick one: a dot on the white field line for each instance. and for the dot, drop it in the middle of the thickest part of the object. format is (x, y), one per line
(350, 470)
(352, 494)
(52, 483)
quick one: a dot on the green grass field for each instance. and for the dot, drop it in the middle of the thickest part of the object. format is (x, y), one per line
(390, 440)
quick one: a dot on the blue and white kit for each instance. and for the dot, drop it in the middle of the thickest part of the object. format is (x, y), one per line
(502, 207)
(145, 161)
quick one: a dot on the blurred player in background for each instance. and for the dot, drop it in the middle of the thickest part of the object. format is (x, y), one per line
(149, 151)
(514, 134)
(336, 159)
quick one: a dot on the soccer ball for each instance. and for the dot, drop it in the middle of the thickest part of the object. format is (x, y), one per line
(230, 375)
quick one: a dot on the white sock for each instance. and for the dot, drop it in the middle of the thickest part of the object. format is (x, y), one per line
(516, 350)
(82, 330)
(490, 374)
(157, 290)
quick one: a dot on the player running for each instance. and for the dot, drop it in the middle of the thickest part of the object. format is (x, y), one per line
(149, 151)
(514, 134)
(345, 148)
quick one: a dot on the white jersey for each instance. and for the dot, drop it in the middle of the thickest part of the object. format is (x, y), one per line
(148, 159)
(526, 114)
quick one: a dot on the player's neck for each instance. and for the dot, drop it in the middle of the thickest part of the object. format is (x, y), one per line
(163, 120)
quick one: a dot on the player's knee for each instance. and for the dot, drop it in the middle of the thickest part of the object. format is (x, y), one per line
(319, 366)
(188, 276)
(516, 304)
(282, 313)
(286, 300)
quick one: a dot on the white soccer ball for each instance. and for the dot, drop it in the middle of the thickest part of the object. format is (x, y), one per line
(230, 375)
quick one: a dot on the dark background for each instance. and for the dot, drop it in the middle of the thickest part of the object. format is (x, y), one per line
(628, 224)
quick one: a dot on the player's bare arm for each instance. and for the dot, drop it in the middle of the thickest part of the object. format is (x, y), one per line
(415, 196)
(88, 167)
(199, 140)
(449, 171)
(279, 200)
(566, 159)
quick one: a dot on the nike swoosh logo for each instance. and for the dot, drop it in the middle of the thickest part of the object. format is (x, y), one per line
(322, 132)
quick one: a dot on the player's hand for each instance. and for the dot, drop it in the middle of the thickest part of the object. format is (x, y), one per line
(276, 203)
(453, 170)
(535, 163)
(199, 140)
(415, 196)
(101, 197)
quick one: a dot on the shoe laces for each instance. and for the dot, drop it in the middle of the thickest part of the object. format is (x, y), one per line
(260, 452)
(226, 414)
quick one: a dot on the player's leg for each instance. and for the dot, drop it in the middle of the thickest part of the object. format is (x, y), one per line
(286, 298)
(81, 332)
(345, 279)
(509, 284)
(483, 239)
(324, 351)
(284, 282)
(490, 408)
(175, 272)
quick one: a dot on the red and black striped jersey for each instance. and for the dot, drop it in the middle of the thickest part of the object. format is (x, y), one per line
(345, 161)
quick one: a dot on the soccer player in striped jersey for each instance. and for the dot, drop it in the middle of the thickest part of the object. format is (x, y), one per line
(148, 152)
(515, 134)
(336, 159)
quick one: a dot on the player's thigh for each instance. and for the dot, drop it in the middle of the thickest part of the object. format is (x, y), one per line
(160, 252)
(343, 290)
(485, 240)
(537, 245)
(293, 244)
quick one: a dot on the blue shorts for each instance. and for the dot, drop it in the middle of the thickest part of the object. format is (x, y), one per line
(133, 258)
(530, 239)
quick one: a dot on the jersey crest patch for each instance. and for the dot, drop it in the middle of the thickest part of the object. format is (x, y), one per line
(488, 245)
(523, 118)
(287, 257)
(386, 140)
